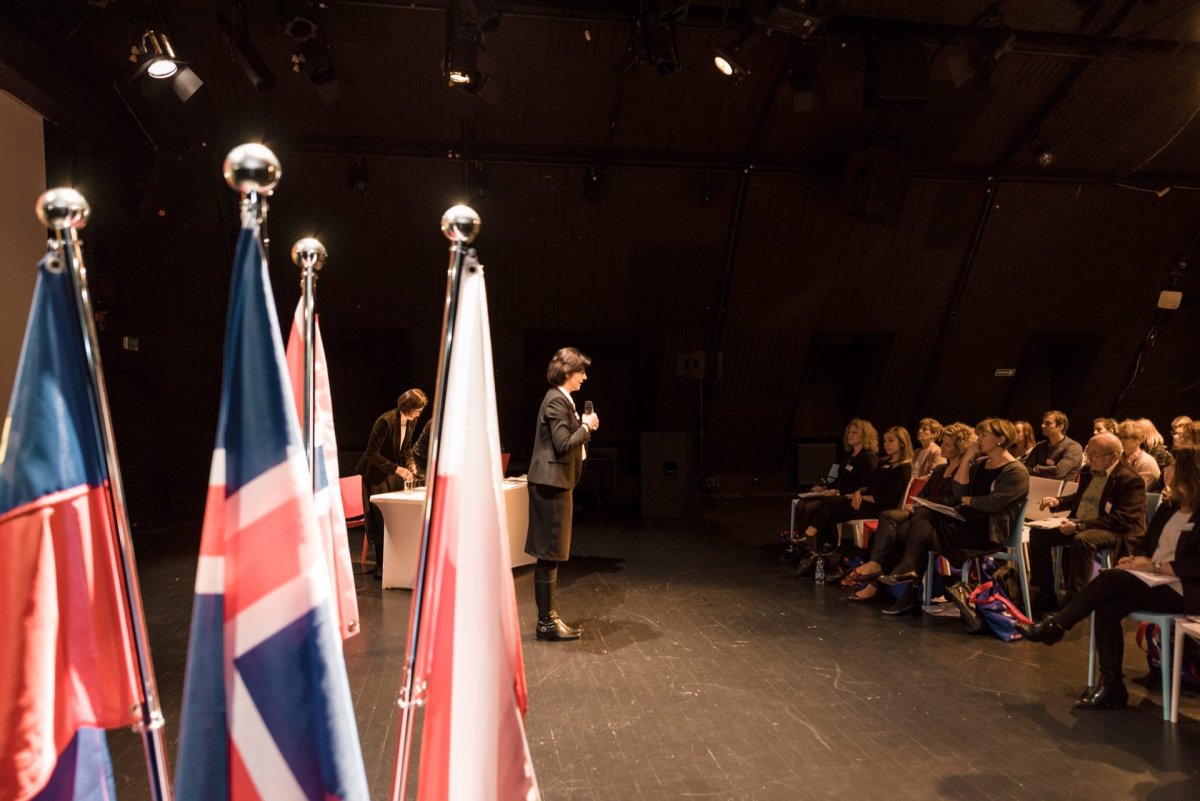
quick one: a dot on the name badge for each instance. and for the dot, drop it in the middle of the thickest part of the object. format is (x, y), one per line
(849, 468)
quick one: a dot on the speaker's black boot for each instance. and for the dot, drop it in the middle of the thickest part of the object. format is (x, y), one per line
(549, 626)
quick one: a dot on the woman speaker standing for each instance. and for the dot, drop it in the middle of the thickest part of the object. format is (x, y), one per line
(559, 448)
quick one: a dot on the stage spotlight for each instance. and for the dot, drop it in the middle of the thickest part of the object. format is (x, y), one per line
(730, 58)
(156, 58)
(462, 56)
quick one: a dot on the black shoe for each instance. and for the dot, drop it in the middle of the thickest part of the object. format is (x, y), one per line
(909, 601)
(907, 577)
(807, 566)
(555, 630)
(959, 595)
(1047, 630)
(1110, 695)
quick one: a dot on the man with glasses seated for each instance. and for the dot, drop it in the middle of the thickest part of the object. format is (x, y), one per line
(1108, 510)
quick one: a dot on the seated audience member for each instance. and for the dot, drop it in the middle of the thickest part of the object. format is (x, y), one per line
(990, 491)
(1026, 442)
(1058, 456)
(861, 442)
(884, 491)
(1142, 463)
(1154, 444)
(892, 530)
(1107, 511)
(1104, 425)
(1171, 548)
(929, 455)
(1181, 432)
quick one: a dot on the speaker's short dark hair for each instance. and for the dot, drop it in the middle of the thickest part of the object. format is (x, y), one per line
(565, 362)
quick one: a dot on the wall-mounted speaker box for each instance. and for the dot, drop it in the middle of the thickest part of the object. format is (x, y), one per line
(668, 473)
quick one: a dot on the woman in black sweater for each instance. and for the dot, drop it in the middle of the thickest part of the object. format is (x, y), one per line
(885, 490)
(991, 492)
(861, 442)
(1163, 575)
(888, 542)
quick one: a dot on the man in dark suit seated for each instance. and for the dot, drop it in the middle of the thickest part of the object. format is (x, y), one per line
(1107, 511)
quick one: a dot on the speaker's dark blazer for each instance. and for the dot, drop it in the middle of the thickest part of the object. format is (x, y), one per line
(558, 442)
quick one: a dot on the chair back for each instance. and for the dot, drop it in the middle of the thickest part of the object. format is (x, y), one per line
(1016, 537)
(352, 502)
(915, 485)
(1042, 487)
(1153, 500)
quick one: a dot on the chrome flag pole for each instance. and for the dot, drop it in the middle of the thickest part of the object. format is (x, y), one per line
(65, 211)
(460, 224)
(309, 255)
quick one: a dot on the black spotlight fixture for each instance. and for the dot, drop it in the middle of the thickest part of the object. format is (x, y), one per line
(462, 56)
(466, 65)
(155, 59)
(730, 58)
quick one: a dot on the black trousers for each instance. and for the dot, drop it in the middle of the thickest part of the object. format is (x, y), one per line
(890, 537)
(1077, 566)
(1113, 595)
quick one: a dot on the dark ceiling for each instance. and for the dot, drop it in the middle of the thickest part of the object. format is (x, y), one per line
(875, 219)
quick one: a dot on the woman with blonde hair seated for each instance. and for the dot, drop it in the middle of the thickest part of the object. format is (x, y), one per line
(1153, 444)
(1132, 437)
(1182, 432)
(861, 442)
(991, 491)
(1162, 575)
(884, 491)
(892, 531)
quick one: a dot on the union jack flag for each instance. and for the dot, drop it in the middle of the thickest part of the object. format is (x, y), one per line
(267, 711)
(67, 665)
(331, 517)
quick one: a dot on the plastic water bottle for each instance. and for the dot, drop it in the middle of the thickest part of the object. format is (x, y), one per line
(819, 575)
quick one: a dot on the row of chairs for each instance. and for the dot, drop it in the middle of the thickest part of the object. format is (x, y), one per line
(1173, 628)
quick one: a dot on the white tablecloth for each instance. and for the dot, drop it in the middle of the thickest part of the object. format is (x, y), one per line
(402, 522)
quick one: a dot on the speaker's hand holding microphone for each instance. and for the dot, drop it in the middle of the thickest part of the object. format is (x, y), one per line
(590, 419)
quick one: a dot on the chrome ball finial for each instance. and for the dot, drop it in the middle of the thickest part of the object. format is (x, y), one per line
(252, 168)
(460, 224)
(62, 208)
(309, 251)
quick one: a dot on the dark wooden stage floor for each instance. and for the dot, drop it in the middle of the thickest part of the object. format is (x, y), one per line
(707, 672)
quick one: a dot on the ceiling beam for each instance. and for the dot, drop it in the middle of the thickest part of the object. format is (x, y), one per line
(544, 155)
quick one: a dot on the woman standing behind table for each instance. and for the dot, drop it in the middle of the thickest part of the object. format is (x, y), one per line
(559, 448)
